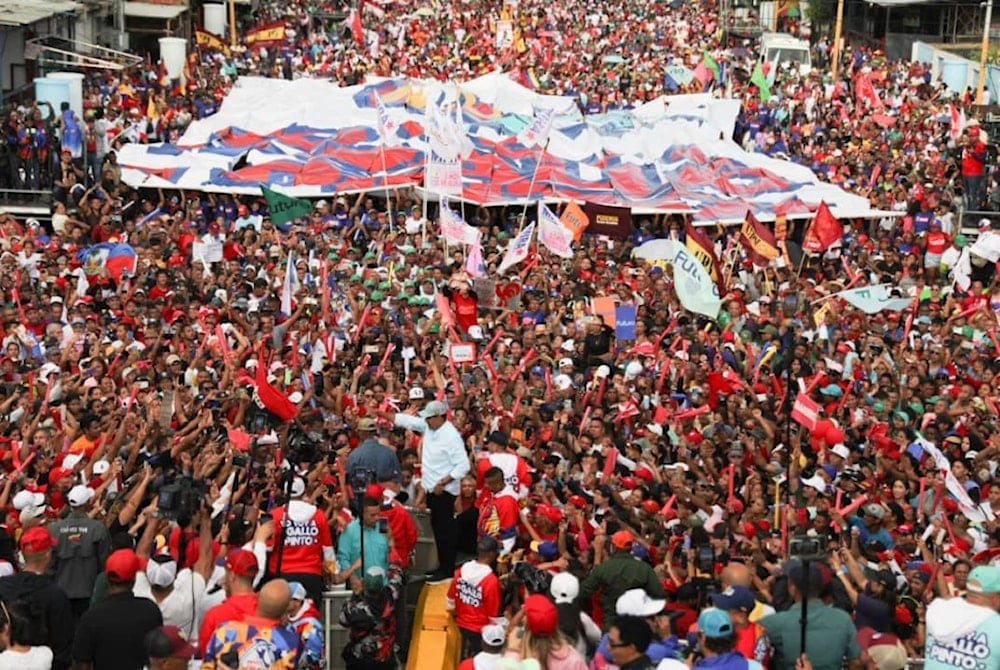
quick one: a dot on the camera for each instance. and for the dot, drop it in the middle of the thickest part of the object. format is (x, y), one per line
(361, 478)
(705, 560)
(180, 498)
(534, 580)
(807, 548)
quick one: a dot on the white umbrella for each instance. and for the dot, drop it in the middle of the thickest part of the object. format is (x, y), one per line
(655, 250)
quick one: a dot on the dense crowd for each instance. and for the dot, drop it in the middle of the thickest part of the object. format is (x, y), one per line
(196, 449)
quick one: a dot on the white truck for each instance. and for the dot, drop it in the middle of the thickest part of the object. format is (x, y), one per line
(785, 49)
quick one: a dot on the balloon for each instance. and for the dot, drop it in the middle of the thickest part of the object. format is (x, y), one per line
(833, 435)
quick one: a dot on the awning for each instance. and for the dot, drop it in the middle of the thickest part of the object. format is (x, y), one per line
(904, 3)
(26, 12)
(149, 10)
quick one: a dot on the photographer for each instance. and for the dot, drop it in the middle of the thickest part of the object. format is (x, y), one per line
(377, 542)
(830, 633)
(304, 532)
(370, 615)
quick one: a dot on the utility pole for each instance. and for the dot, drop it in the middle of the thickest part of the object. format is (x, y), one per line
(984, 52)
(232, 23)
(837, 31)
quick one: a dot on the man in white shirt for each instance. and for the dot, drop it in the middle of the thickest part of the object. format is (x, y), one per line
(180, 595)
(444, 462)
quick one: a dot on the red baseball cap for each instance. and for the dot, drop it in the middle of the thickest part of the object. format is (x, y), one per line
(122, 566)
(375, 492)
(36, 540)
(577, 501)
(242, 563)
(55, 474)
(540, 616)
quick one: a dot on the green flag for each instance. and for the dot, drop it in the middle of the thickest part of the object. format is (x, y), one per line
(710, 63)
(284, 208)
(760, 81)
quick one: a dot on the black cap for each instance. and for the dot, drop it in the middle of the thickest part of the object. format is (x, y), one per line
(487, 545)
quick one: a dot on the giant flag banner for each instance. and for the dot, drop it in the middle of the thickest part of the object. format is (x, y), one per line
(552, 234)
(873, 299)
(695, 288)
(537, 132)
(703, 249)
(758, 241)
(518, 249)
(285, 209)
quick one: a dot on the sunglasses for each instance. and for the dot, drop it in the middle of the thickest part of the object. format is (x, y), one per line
(618, 645)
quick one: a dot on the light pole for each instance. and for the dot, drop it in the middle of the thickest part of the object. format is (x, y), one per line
(984, 51)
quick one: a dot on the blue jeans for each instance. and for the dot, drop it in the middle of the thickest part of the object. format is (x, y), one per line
(975, 191)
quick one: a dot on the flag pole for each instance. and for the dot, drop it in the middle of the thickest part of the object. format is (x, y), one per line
(531, 185)
(385, 185)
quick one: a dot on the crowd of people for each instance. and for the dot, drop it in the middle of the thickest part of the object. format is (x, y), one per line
(195, 450)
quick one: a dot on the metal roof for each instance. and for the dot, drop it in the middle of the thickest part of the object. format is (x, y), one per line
(150, 10)
(26, 12)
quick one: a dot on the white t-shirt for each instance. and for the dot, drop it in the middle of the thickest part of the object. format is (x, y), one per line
(184, 607)
(36, 658)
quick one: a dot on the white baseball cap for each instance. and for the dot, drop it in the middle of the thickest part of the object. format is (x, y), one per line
(636, 602)
(161, 570)
(80, 495)
(25, 498)
(416, 393)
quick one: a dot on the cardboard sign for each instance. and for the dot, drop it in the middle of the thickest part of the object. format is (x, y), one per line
(610, 221)
(625, 317)
(462, 352)
(485, 289)
(604, 307)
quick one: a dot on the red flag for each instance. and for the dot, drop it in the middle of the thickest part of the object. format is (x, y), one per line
(270, 398)
(805, 411)
(758, 241)
(356, 31)
(823, 231)
(864, 90)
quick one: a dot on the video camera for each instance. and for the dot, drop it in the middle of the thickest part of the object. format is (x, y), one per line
(180, 498)
(807, 549)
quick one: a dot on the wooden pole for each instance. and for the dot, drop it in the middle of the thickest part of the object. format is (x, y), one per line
(984, 52)
(232, 23)
(835, 65)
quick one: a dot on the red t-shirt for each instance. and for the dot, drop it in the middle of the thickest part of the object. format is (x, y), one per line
(307, 537)
(466, 310)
